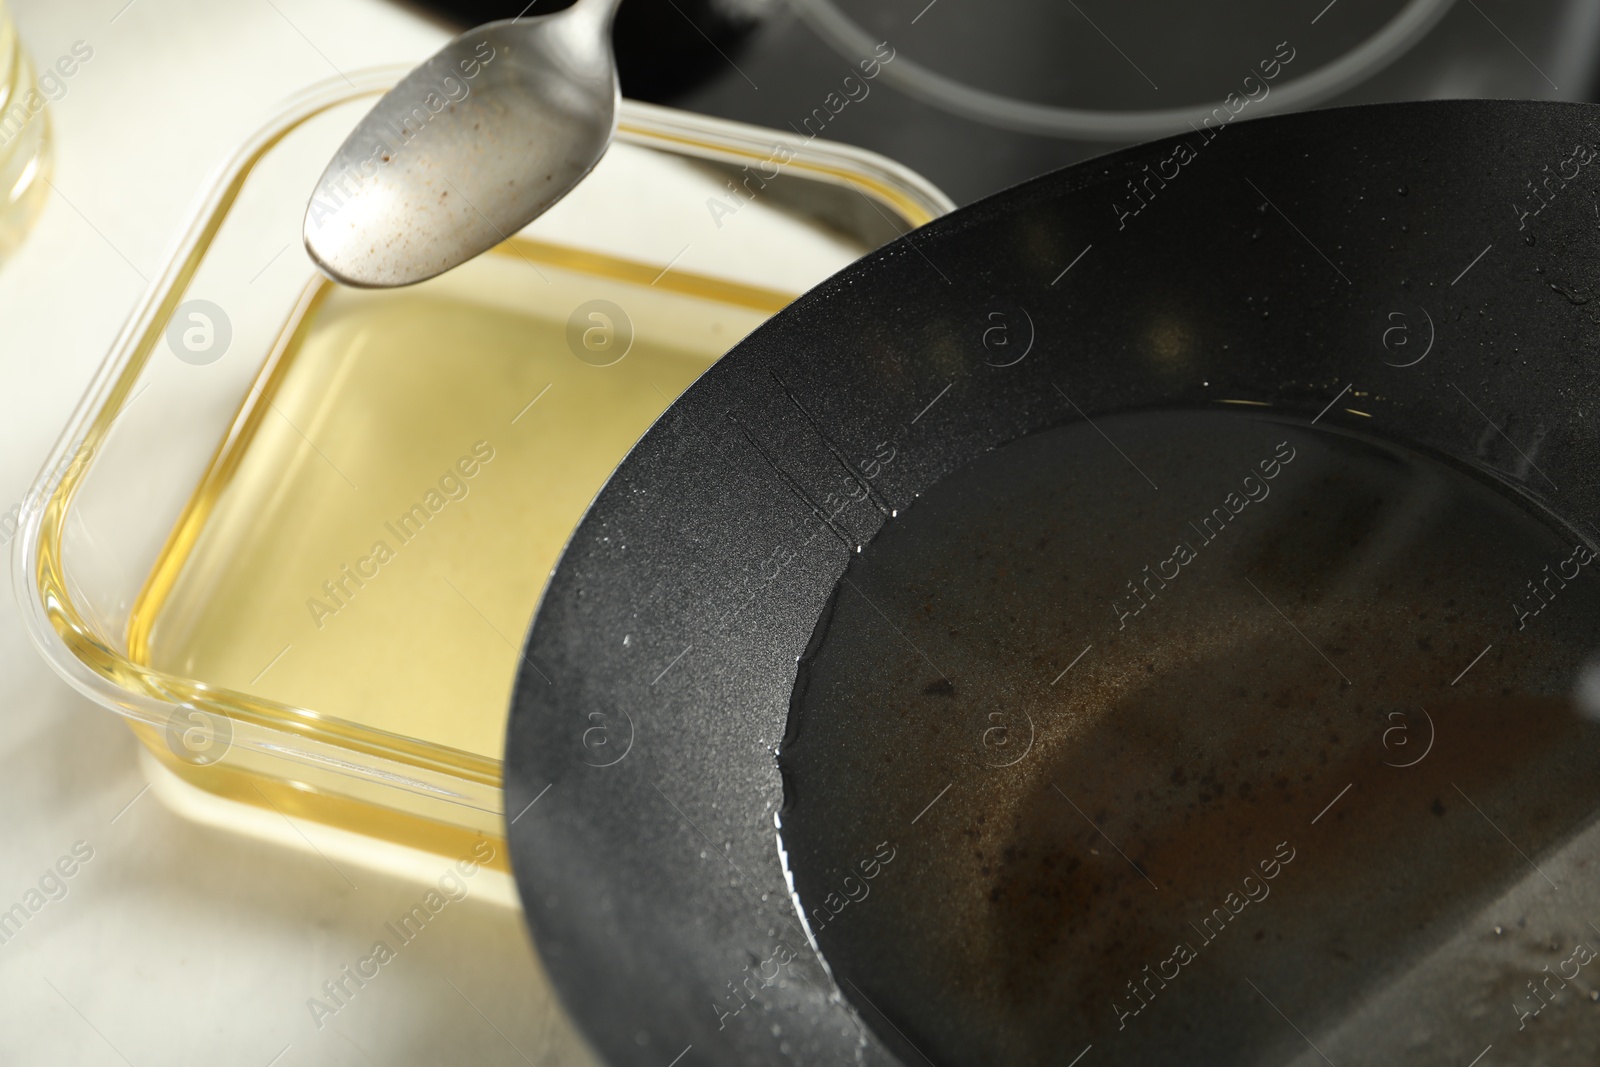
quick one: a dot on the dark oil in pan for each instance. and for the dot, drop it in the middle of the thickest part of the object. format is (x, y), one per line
(1182, 773)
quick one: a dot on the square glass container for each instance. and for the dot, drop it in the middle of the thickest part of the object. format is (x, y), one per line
(294, 533)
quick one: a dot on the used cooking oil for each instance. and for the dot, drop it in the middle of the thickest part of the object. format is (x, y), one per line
(373, 534)
(1081, 776)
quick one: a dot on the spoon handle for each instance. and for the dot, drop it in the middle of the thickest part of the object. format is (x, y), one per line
(600, 11)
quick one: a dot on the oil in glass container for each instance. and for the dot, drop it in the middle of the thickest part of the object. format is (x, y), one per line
(373, 535)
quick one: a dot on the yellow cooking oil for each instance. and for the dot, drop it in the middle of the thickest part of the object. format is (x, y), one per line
(373, 534)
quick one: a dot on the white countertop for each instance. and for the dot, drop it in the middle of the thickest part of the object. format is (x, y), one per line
(176, 943)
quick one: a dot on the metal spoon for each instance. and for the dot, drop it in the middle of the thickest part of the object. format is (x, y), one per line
(468, 148)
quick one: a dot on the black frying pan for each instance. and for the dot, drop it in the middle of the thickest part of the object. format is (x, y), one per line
(1418, 274)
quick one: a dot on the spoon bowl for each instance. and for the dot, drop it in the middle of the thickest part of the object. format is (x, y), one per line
(467, 149)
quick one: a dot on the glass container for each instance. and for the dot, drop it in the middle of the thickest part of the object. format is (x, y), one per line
(294, 533)
(25, 129)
